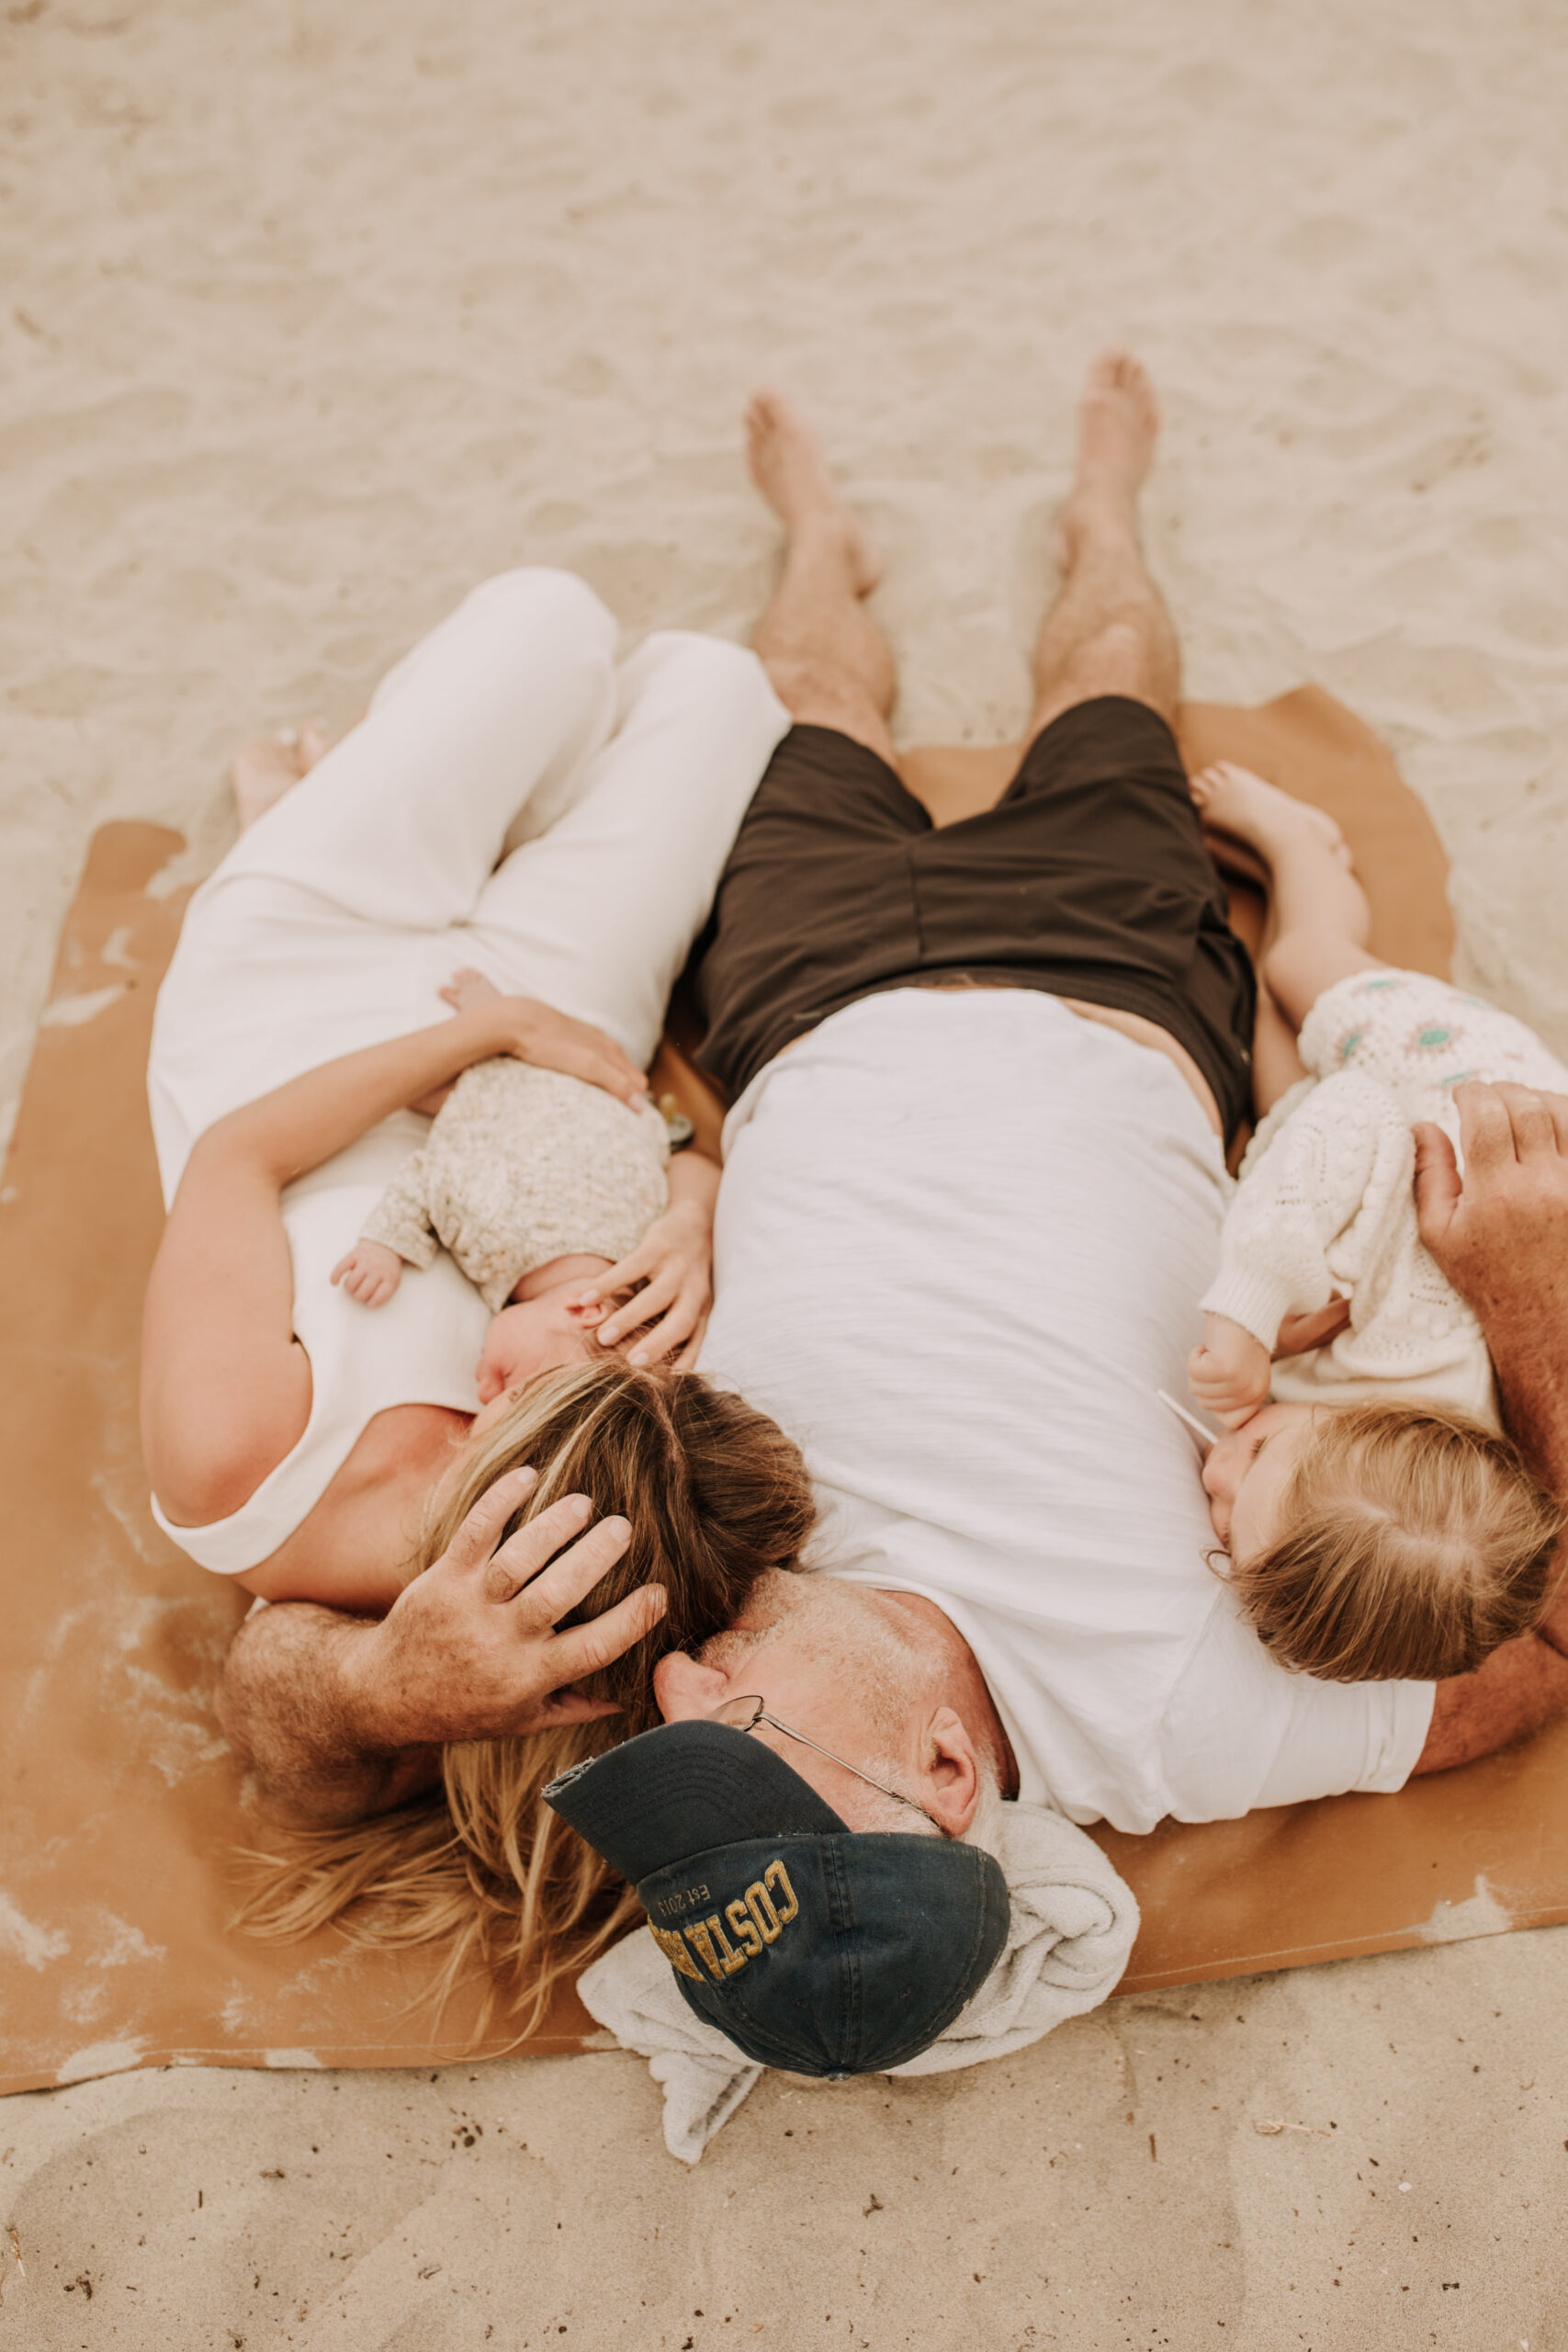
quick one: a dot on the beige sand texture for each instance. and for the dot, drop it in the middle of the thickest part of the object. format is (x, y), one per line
(313, 315)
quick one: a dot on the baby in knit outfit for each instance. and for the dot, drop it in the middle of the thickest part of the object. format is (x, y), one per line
(1379, 1523)
(525, 1172)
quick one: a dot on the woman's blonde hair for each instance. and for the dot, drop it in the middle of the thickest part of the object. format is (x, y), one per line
(1415, 1543)
(716, 1495)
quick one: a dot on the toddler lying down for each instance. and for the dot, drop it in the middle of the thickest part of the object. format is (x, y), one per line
(542, 1187)
(1379, 1523)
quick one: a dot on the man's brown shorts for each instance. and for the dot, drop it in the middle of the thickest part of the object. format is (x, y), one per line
(1088, 878)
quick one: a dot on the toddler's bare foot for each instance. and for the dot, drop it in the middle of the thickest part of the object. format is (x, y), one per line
(467, 988)
(1234, 800)
(786, 463)
(267, 767)
(1118, 427)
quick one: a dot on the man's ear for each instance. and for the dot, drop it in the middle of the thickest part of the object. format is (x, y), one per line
(950, 1773)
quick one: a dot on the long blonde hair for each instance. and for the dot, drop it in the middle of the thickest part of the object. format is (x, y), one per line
(1414, 1542)
(716, 1496)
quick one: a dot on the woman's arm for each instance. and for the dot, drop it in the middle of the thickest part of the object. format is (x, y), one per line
(225, 1385)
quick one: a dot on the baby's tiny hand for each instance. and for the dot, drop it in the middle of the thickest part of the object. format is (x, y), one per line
(1229, 1374)
(371, 1272)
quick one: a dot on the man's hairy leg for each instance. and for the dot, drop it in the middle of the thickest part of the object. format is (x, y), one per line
(830, 663)
(342, 1715)
(1108, 631)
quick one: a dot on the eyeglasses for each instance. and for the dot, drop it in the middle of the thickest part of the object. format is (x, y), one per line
(746, 1713)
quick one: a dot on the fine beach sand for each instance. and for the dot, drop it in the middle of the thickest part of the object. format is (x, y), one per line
(313, 315)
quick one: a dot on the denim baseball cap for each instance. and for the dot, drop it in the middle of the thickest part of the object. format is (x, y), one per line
(813, 1946)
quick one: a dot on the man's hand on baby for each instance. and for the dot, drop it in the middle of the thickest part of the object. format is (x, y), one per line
(551, 1040)
(1501, 1233)
(669, 1276)
(371, 1272)
(1229, 1374)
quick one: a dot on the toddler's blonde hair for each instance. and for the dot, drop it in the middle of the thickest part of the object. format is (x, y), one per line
(1417, 1542)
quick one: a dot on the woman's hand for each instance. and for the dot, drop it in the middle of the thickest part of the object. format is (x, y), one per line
(669, 1274)
(1229, 1374)
(551, 1040)
(469, 1650)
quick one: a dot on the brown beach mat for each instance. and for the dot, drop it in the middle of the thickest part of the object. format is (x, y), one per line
(121, 1804)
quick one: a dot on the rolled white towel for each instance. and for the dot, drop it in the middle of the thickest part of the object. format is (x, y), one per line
(1073, 1925)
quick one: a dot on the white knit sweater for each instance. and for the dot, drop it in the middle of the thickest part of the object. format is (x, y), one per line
(521, 1166)
(1329, 1206)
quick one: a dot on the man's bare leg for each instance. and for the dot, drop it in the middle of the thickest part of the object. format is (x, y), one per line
(830, 663)
(1108, 632)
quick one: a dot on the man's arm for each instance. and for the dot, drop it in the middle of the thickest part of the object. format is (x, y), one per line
(340, 1716)
(1520, 1688)
(1501, 1237)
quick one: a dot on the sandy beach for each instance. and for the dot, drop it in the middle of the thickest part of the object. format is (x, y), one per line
(313, 316)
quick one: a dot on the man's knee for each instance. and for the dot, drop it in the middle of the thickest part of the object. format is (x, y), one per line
(1118, 658)
(1114, 660)
(817, 693)
(810, 689)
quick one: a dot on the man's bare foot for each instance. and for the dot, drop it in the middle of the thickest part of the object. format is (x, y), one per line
(467, 988)
(1118, 427)
(1232, 801)
(785, 461)
(267, 767)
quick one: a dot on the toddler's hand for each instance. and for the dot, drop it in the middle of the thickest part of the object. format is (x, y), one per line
(371, 1272)
(671, 1274)
(1229, 1374)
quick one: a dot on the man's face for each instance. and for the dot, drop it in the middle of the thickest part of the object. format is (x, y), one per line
(827, 1658)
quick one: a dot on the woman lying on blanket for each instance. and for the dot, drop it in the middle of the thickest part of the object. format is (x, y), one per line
(1380, 1524)
(517, 804)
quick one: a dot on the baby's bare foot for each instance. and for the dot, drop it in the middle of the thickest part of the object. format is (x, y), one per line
(267, 767)
(467, 988)
(786, 463)
(1234, 800)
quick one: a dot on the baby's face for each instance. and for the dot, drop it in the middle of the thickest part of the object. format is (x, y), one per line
(537, 1336)
(1245, 1474)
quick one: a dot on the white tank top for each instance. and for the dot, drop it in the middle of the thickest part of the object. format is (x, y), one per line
(420, 1349)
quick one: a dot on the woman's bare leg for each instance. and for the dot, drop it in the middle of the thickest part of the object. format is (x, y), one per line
(830, 663)
(1108, 631)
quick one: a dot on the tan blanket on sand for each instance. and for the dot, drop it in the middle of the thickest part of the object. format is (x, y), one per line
(121, 1805)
